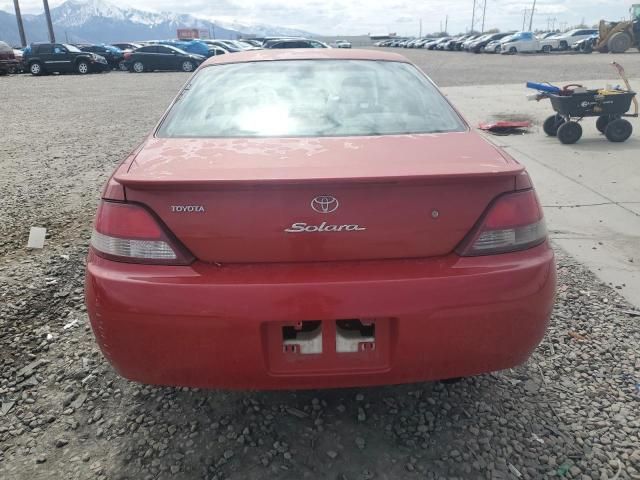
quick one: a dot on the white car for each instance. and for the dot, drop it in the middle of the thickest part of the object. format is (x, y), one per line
(563, 41)
(525, 42)
(495, 46)
(341, 44)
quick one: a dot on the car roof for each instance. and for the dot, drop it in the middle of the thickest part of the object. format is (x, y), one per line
(305, 54)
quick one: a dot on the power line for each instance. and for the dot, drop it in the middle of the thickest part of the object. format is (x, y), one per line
(479, 10)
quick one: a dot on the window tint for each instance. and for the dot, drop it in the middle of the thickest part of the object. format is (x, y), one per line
(45, 49)
(59, 49)
(312, 98)
(149, 49)
(162, 49)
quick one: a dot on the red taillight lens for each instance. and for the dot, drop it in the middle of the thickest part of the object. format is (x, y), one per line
(127, 55)
(513, 222)
(127, 232)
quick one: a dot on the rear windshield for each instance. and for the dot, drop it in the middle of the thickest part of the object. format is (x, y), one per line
(309, 98)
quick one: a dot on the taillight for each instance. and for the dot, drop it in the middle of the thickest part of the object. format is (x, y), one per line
(128, 232)
(127, 55)
(513, 222)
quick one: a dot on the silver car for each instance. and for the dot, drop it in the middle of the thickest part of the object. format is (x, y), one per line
(341, 44)
(496, 45)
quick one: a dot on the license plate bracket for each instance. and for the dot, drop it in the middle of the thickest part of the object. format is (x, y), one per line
(346, 345)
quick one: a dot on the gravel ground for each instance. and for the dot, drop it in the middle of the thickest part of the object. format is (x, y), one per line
(572, 411)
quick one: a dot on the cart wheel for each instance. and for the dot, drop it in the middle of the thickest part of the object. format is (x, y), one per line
(569, 132)
(618, 130)
(602, 122)
(551, 125)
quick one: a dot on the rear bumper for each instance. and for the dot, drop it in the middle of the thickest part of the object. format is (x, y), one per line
(9, 65)
(208, 326)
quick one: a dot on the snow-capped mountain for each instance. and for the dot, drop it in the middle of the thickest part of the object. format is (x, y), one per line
(98, 21)
(263, 30)
(74, 13)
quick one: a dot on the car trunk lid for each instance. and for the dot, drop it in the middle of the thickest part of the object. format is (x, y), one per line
(352, 198)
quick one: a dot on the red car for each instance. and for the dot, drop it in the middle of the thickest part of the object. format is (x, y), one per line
(314, 219)
(8, 61)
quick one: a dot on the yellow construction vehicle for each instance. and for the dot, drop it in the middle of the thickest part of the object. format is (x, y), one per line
(618, 37)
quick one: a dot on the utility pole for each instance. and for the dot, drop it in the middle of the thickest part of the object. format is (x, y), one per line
(446, 24)
(420, 28)
(47, 13)
(484, 13)
(23, 38)
(473, 16)
(524, 19)
(66, 36)
(533, 10)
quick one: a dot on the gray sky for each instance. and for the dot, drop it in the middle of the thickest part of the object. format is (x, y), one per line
(353, 17)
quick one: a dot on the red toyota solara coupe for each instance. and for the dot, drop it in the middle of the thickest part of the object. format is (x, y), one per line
(316, 219)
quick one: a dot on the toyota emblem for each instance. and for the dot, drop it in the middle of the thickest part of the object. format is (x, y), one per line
(325, 204)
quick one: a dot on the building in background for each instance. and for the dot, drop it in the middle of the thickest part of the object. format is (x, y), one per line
(192, 33)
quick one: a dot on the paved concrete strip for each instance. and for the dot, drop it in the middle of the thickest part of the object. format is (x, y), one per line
(591, 190)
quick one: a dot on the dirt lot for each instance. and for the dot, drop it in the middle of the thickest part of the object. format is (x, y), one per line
(573, 411)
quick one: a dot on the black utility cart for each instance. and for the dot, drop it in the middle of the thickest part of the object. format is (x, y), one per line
(573, 103)
(610, 106)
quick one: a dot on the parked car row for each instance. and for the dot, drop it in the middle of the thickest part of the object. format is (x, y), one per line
(43, 58)
(504, 42)
(167, 56)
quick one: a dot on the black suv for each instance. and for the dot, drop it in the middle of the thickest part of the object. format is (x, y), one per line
(41, 58)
